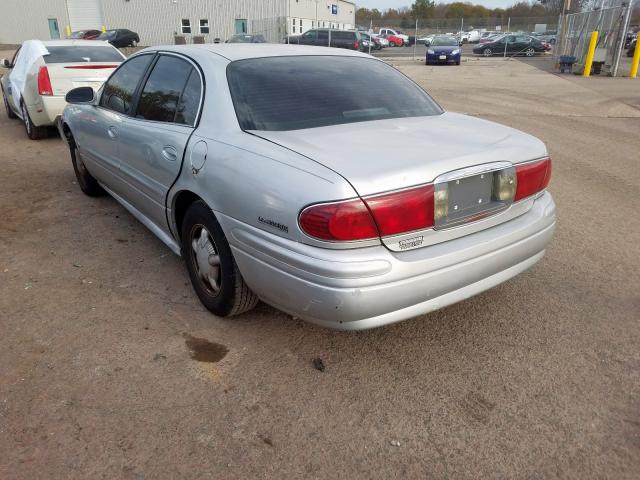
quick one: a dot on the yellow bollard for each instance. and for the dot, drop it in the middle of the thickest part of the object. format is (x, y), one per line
(636, 59)
(68, 30)
(590, 53)
(104, 29)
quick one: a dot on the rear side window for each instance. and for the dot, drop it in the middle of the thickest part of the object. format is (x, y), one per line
(119, 89)
(338, 35)
(289, 93)
(170, 92)
(75, 54)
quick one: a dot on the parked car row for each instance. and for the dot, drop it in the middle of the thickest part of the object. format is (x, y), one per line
(366, 205)
(119, 38)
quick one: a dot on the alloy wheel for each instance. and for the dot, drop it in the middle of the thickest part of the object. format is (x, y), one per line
(25, 119)
(487, 52)
(529, 52)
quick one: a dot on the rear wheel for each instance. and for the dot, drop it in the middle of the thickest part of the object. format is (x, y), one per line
(529, 52)
(33, 132)
(487, 52)
(213, 270)
(10, 113)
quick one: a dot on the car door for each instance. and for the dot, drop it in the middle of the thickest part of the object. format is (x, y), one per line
(322, 40)
(308, 37)
(98, 132)
(154, 139)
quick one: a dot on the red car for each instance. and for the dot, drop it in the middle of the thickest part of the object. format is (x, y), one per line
(86, 34)
(394, 41)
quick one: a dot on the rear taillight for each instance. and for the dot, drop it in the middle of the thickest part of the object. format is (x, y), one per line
(404, 211)
(44, 82)
(377, 215)
(91, 67)
(532, 178)
(339, 221)
(356, 45)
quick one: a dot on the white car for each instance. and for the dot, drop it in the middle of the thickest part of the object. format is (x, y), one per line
(42, 72)
(383, 41)
(397, 33)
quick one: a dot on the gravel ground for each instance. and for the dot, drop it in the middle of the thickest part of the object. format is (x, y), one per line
(537, 378)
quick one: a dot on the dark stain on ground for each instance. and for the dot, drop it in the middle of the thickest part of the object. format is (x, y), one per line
(266, 440)
(202, 350)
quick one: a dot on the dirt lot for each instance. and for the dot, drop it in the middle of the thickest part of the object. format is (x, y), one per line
(537, 378)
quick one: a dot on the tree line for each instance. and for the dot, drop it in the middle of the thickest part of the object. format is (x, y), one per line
(425, 9)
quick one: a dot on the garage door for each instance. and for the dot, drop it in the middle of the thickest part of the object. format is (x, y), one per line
(85, 14)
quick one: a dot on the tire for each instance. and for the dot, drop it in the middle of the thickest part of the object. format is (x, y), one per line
(487, 52)
(212, 269)
(33, 132)
(529, 52)
(458, 62)
(10, 113)
(88, 184)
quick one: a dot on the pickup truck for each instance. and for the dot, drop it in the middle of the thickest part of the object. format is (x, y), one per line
(397, 33)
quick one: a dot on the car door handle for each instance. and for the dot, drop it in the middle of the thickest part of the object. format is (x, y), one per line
(112, 132)
(170, 153)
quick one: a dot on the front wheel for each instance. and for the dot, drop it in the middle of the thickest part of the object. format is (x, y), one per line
(212, 269)
(88, 184)
(10, 113)
(487, 52)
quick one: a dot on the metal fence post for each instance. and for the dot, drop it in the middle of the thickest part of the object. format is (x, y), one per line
(623, 36)
(415, 40)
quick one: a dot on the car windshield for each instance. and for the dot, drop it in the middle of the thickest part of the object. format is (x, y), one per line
(444, 42)
(290, 93)
(74, 54)
(240, 39)
(108, 35)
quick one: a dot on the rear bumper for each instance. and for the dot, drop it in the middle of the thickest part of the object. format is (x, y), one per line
(47, 110)
(369, 287)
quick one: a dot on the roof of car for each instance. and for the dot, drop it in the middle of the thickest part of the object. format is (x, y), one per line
(241, 51)
(67, 43)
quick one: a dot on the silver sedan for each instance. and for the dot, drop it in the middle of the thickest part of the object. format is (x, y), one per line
(295, 175)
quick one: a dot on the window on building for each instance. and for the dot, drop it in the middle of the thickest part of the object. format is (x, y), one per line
(186, 25)
(204, 26)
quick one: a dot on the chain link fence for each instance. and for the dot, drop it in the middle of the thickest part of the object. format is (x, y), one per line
(610, 25)
(428, 26)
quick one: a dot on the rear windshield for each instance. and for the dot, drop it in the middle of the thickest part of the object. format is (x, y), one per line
(290, 93)
(75, 54)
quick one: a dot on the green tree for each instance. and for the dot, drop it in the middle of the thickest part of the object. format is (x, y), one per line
(422, 9)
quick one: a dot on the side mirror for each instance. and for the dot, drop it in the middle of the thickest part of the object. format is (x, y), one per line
(80, 95)
(6, 63)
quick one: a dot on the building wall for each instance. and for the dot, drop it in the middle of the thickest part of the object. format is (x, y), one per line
(157, 21)
(22, 20)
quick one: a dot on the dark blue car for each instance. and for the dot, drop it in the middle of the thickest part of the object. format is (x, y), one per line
(443, 49)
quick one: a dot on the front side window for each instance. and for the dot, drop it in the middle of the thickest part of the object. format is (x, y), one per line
(119, 89)
(204, 26)
(186, 25)
(290, 93)
(161, 95)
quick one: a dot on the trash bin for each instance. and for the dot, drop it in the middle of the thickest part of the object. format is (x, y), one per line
(179, 40)
(566, 63)
(199, 39)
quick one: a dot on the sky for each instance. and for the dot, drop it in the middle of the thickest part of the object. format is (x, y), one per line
(382, 4)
